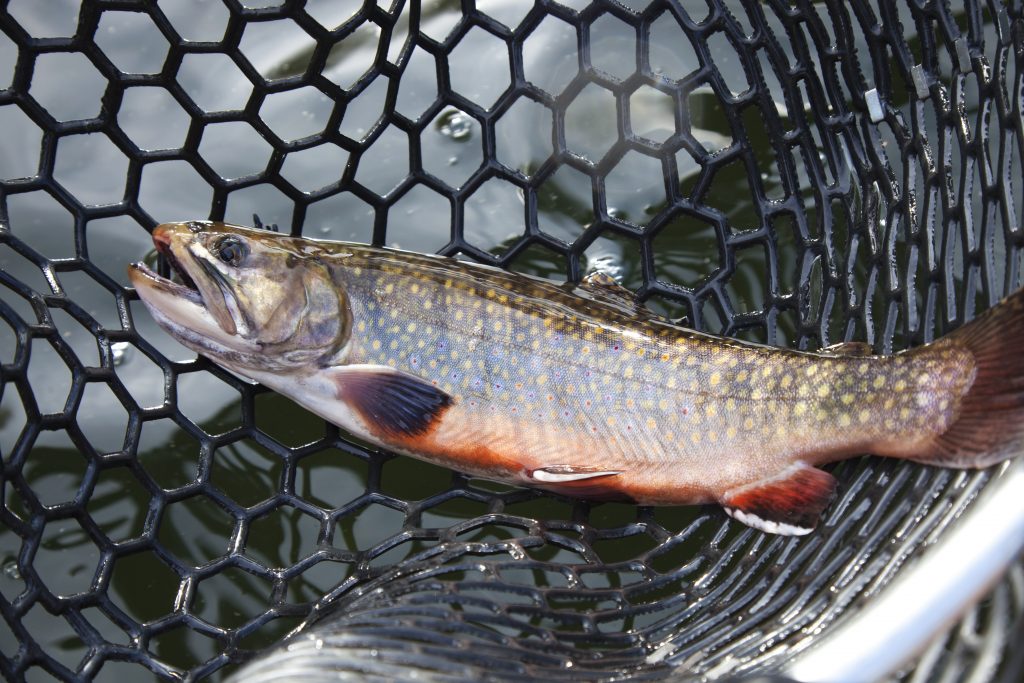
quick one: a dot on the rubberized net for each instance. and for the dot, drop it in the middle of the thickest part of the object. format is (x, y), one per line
(796, 173)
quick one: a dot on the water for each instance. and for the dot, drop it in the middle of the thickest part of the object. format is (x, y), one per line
(688, 252)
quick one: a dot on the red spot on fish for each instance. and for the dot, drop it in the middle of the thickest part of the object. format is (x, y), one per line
(686, 411)
(615, 348)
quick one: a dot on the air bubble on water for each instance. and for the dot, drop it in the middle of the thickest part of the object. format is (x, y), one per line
(119, 352)
(456, 125)
(319, 644)
(325, 230)
(10, 569)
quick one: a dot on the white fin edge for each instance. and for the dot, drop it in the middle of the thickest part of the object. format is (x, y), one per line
(551, 475)
(766, 525)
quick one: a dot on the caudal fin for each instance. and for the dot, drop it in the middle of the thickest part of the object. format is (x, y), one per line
(990, 425)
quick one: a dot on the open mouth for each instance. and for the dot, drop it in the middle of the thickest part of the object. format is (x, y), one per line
(180, 283)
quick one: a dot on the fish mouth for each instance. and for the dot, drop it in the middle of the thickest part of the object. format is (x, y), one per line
(180, 284)
(181, 303)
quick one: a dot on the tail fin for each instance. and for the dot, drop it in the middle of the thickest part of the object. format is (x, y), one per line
(990, 424)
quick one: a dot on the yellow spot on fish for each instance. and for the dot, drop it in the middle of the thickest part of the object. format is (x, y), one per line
(497, 326)
(695, 437)
(541, 379)
(844, 420)
(715, 379)
(748, 423)
(376, 345)
(786, 381)
(863, 367)
(730, 432)
(711, 410)
(411, 327)
(864, 415)
(900, 385)
(415, 288)
(800, 408)
(822, 391)
(741, 376)
(847, 399)
(361, 326)
(811, 370)
(879, 382)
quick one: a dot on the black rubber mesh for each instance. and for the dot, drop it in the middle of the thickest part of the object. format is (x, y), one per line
(883, 177)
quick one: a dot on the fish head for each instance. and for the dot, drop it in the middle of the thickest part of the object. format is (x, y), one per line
(248, 299)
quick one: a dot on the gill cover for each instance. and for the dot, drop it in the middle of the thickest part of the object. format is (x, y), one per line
(272, 302)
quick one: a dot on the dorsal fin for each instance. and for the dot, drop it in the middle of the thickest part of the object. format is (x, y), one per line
(850, 348)
(603, 287)
(788, 504)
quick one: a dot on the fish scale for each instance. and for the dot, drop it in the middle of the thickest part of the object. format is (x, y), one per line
(680, 398)
(576, 389)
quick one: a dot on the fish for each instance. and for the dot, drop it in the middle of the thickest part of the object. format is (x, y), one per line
(578, 389)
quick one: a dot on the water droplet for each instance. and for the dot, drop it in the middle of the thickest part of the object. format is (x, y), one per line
(456, 125)
(319, 644)
(119, 352)
(452, 161)
(374, 653)
(325, 230)
(10, 569)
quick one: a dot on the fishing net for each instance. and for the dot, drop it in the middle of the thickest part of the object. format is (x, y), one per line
(791, 172)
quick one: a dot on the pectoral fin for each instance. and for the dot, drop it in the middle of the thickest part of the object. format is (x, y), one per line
(788, 504)
(391, 403)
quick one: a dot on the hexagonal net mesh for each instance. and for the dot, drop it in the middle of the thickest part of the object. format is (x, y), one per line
(796, 173)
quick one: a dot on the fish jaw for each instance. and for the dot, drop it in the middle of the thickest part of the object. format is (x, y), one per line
(183, 314)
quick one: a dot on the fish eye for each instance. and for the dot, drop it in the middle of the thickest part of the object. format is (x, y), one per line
(231, 250)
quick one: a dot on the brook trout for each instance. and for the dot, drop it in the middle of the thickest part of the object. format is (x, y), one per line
(576, 389)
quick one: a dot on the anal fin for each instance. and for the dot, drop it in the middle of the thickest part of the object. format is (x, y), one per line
(788, 504)
(390, 402)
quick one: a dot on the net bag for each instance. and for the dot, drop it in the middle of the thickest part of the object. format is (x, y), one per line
(794, 173)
